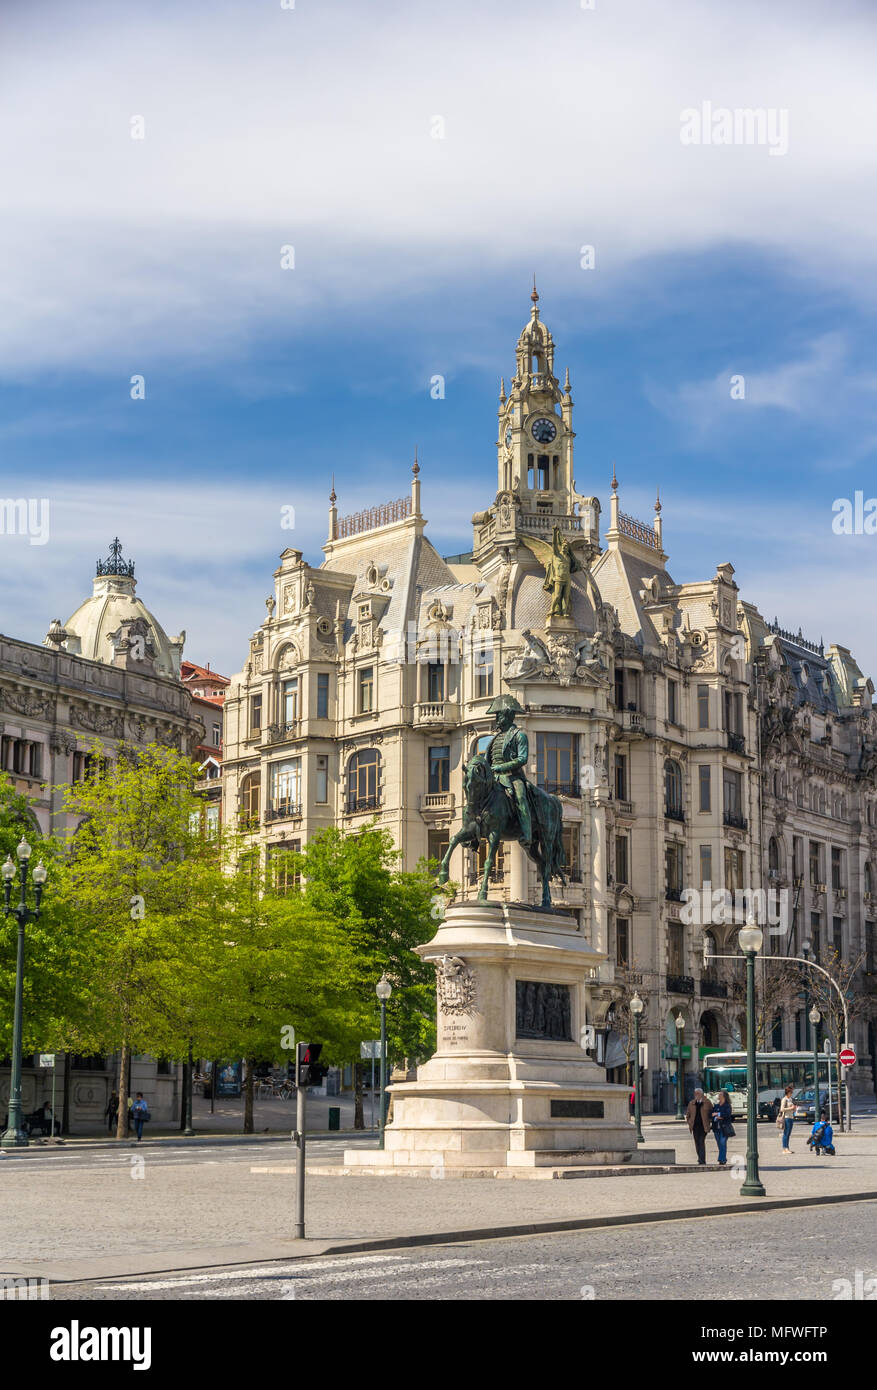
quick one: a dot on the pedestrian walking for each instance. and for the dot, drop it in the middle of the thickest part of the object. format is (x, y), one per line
(699, 1116)
(112, 1112)
(139, 1115)
(723, 1128)
(786, 1118)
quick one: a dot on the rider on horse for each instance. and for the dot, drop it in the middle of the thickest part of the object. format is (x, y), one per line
(507, 754)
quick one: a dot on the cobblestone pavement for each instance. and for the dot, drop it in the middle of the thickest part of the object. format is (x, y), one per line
(791, 1257)
(71, 1204)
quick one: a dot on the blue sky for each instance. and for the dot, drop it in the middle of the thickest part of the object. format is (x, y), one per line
(315, 127)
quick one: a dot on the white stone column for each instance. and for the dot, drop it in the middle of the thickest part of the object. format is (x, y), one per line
(517, 872)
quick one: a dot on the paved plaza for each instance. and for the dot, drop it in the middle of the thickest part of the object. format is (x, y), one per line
(86, 1212)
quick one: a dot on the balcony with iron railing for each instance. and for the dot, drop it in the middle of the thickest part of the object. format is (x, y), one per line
(736, 742)
(283, 808)
(673, 895)
(680, 984)
(567, 788)
(674, 813)
(358, 805)
(734, 819)
(711, 988)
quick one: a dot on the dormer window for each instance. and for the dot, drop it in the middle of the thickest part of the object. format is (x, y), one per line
(365, 612)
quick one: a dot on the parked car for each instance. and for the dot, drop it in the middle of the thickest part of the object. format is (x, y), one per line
(806, 1110)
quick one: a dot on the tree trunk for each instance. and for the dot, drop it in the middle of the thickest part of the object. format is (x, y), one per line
(248, 1095)
(122, 1123)
(184, 1093)
(65, 1104)
(358, 1120)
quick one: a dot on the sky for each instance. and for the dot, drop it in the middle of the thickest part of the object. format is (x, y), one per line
(415, 165)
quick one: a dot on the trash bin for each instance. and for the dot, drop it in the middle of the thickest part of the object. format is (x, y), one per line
(334, 1116)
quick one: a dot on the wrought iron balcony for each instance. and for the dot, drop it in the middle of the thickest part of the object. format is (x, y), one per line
(283, 809)
(570, 788)
(574, 875)
(497, 875)
(674, 813)
(736, 743)
(713, 989)
(680, 984)
(673, 895)
(735, 819)
(357, 804)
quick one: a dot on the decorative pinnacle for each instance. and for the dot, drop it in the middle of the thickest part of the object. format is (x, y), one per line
(415, 467)
(502, 395)
(332, 497)
(658, 502)
(115, 564)
(614, 479)
(535, 298)
(566, 382)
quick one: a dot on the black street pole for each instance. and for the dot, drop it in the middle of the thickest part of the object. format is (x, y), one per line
(752, 1187)
(189, 1078)
(637, 1099)
(14, 1136)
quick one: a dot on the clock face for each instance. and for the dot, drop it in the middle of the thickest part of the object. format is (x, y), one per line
(543, 430)
(508, 436)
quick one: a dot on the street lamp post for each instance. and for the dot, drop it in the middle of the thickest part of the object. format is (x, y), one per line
(680, 1026)
(383, 989)
(751, 938)
(14, 1136)
(636, 1008)
(189, 1069)
(814, 1016)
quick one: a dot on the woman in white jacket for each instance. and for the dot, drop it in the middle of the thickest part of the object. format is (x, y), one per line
(786, 1118)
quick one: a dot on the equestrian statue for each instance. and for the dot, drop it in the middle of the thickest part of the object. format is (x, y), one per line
(500, 804)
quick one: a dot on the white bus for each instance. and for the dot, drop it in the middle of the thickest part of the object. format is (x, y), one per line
(774, 1071)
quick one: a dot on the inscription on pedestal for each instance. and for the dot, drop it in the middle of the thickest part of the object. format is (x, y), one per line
(542, 1011)
(577, 1110)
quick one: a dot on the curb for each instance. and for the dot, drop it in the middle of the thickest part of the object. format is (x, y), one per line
(275, 1137)
(316, 1247)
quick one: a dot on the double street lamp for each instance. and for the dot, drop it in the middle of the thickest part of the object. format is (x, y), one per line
(383, 989)
(636, 1008)
(680, 1026)
(14, 1136)
(751, 939)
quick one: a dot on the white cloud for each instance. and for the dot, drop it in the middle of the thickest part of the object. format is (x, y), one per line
(311, 126)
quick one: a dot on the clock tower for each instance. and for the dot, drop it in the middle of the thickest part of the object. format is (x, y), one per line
(536, 486)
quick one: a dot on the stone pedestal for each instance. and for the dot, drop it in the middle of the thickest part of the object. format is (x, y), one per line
(509, 1084)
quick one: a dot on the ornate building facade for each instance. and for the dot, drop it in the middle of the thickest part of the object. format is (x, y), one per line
(646, 705)
(109, 674)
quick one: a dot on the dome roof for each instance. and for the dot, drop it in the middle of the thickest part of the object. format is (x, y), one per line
(90, 631)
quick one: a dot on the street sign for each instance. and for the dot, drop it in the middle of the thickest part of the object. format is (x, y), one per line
(644, 1055)
(826, 1047)
(47, 1059)
(370, 1049)
(847, 1056)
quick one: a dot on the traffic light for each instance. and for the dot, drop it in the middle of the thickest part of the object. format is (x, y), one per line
(309, 1070)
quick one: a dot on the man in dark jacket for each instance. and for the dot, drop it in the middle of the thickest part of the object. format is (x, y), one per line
(699, 1116)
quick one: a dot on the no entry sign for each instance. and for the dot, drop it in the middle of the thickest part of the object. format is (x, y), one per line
(847, 1056)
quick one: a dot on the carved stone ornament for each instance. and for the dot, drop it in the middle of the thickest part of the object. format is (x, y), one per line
(97, 721)
(22, 702)
(455, 984)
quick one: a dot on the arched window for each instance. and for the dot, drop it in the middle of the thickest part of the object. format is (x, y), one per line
(250, 800)
(673, 789)
(364, 781)
(773, 857)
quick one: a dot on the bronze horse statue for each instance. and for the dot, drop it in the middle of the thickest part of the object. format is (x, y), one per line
(489, 813)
